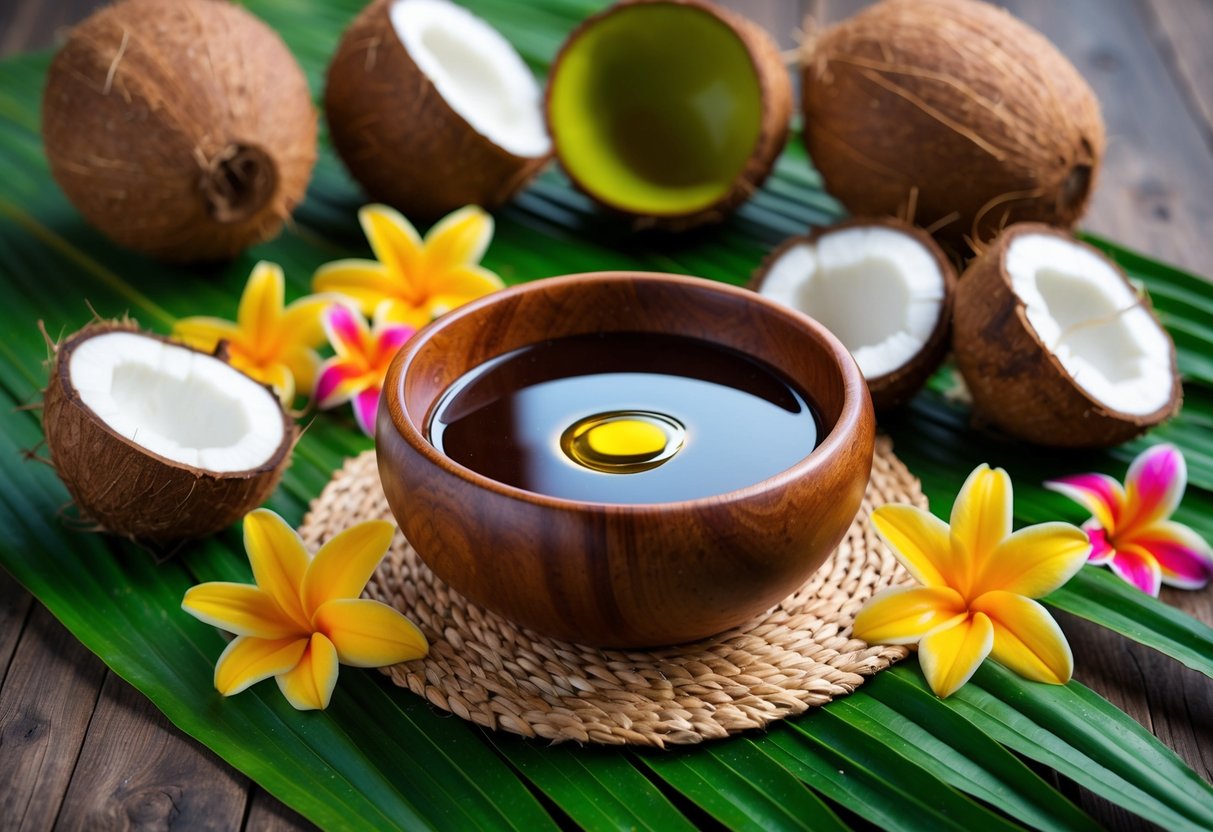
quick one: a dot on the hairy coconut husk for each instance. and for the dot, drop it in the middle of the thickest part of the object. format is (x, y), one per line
(130, 491)
(953, 112)
(1016, 382)
(776, 88)
(896, 387)
(182, 129)
(400, 138)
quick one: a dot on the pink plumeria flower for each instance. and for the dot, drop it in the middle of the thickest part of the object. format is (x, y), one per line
(1130, 528)
(356, 373)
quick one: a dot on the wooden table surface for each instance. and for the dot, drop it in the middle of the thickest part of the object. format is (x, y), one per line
(80, 748)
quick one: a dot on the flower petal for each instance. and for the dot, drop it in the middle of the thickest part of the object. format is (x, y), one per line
(365, 282)
(279, 561)
(459, 285)
(388, 341)
(369, 634)
(276, 376)
(1138, 567)
(951, 654)
(1184, 558)
(981, 515)
(396, 244)
(338, 382)
(366, 409)
(1026, 638)
(1154, 485)
(261, 303)
(1097, 493)
(347, 331)
(302, 320)
(204, 333)
(346, 562)
(308, 686)
(302, 364)
(919, 540)
(1101, 548)
(248, 660)
(1034, 561)
(903, 615)
(460, 238)
(397, 311)
(238, 608)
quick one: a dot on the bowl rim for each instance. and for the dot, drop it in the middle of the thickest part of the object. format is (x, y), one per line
(832, 445)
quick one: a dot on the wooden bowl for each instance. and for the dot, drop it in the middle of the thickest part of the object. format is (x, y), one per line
(624, 575)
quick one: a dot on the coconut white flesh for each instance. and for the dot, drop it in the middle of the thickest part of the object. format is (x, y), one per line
(477, 72)
(878, 290)
(184, 405)
(1085, 313)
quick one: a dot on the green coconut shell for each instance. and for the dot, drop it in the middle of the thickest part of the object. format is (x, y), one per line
(777, 103)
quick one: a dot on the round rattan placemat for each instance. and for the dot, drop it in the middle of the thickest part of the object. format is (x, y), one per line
(486, 669)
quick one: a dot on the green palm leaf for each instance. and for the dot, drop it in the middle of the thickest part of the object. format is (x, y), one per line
(892, 754)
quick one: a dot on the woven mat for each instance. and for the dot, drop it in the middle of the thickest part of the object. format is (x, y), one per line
(483, 668)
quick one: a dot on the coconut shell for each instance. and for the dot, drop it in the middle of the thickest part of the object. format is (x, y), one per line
(776, 88)
(399, 137)
(896, 387)
(182, 129)
(127, 489)
(952, 113)
(1016, 383)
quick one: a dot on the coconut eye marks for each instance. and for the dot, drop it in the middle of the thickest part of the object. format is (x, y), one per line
(624, 418)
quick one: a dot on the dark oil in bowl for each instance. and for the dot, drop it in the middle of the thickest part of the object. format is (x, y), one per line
(624, 418)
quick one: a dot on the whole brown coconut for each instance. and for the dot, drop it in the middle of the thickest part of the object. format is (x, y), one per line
(400, 137)
(951, 112)
(182, 129)
(163, 401)
(1057, 347)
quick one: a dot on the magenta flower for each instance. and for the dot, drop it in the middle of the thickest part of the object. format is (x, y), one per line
(356, 373)
(1131, 528)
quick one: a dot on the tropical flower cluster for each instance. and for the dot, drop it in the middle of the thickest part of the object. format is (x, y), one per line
(977, 582)
(304, 617)
(411, 281)
(1131, 530)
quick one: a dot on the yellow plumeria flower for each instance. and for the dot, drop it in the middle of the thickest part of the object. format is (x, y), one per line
(272, 343)
(304, 615)
(412, 281)
(978, 581)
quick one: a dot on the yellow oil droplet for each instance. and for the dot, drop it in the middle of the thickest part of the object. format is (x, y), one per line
(623, 442)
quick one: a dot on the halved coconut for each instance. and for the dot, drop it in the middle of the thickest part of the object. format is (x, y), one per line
(159, 442)
(1057, 347)
(432, 109)
(882, 286)
(670, 111)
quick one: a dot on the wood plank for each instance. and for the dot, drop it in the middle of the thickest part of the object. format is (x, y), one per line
(1182, 31)
(45, 707)
(268, 814)
(32, 24)
(779, 17)
(137, 770)
(15, 604)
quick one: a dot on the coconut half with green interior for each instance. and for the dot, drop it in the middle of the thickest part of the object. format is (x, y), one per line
(882, 286)
(159, 442)
(669, 111)
(432, 109)
(1057, 347)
